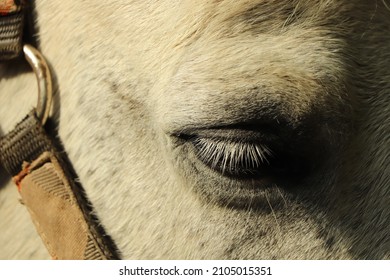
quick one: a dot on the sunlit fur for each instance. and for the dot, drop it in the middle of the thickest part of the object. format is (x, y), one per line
(131, 75)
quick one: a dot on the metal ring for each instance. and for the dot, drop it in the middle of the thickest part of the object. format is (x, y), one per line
(45, 89)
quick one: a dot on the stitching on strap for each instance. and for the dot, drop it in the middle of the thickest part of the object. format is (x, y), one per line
(26, 149)
(11, 28)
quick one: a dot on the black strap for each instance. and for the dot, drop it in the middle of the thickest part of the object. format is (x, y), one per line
(25, 143)
(11, 28)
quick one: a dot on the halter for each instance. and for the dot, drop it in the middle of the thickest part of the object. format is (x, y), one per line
(44, 177)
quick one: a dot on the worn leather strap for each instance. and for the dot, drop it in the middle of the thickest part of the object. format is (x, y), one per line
(47, 194)
(11, 28)
(57, 204)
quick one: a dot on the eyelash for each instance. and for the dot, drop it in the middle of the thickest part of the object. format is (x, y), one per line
(235, 158)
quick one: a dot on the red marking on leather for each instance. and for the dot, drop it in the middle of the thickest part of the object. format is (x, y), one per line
(6, 7)
(19, 178)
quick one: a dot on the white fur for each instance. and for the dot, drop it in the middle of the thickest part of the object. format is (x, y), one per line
(130, 73)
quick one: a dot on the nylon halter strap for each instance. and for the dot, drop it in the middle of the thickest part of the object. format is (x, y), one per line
(45, 180)
(11, 28)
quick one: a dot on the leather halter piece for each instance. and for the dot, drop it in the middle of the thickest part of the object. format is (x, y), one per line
(57, 203)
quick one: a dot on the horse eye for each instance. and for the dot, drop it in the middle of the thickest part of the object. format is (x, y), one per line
(233, 158)
(243, 153)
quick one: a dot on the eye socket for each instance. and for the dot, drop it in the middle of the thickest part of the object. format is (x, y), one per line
(243, 153)
(233, 158)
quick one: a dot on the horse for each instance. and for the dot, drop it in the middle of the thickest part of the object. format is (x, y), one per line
(216, 129)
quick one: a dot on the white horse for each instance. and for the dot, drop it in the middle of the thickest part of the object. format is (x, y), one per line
(217, 129)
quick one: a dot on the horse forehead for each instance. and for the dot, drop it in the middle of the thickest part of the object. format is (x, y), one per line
(144, 10)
